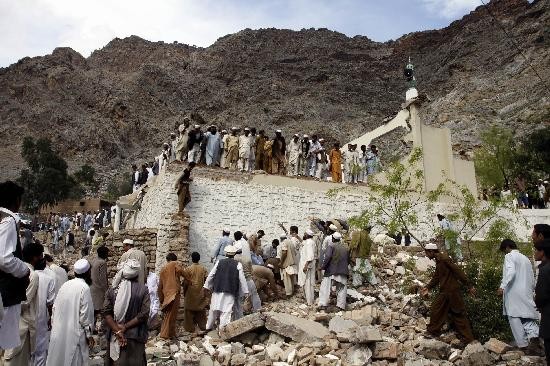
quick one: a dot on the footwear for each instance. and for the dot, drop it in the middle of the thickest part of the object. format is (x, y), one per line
(533, 348)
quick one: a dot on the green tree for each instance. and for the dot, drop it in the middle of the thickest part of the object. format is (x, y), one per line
(118, 188)
(46, 180)
(533, 157)
(494, 159)
(86, 176)
(396, 199)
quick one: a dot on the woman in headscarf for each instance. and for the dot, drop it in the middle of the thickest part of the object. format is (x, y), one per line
(126, 311)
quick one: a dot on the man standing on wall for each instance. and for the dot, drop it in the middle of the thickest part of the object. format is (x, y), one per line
(293, 154)
(278, 152)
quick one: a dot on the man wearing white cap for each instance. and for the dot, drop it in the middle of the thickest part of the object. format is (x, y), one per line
(132, 253)
(307, 267)
(194, 144)
(335, 266)
(227, 282)
(126, 311)
(326, 242)
(225, 240)
(213, 145)
(293, 154)
(245, 147)
(72, 320)
(314, 149)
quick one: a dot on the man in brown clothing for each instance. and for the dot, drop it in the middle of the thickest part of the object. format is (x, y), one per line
(260, 153)
(182, 187)
(100, 283)
(449, 303)
(194, 302)
(169, 295)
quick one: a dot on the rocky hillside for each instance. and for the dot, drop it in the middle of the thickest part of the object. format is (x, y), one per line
(117, 106)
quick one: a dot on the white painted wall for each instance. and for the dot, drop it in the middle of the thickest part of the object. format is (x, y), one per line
(263, 202)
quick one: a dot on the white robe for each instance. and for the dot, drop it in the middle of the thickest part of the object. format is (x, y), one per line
(60, 276)
(73, 317)
(46, 296)
(9, 334)
(222, 302)
(307, 254)
(518, 283)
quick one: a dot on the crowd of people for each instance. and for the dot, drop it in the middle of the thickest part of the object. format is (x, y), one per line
(50, 313)
(247, 150)
(524, 193)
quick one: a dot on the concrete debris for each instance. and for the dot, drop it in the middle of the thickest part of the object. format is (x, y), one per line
(242, 326)
(298, 329)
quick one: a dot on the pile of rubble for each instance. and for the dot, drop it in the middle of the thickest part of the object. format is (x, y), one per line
(381, 327)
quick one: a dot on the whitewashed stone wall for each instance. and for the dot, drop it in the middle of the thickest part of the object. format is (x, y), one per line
(220, 199)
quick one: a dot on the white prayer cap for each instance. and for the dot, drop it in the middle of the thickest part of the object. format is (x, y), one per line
(296, 135)
(333, 227)
(226, 230)
(197, 126)
(233, 128)
(172, 134)
(247, 129)
(130, 269)
(309, 232)
(224, 131)
(337, 236)
(230, 249)
(305, 136)
(546, 182)
(81, 266)
(430, 246)
(128, 241)
(279, 131)
(321, 140)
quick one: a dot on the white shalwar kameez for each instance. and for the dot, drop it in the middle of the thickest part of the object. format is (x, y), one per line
(21, 355)
(518, 283)
(245, 146)
(46, 297)
(72, 320)
(293, 149)
(9, 326)
(307, 279)
(221, 303)
(60, 276)
(341, 284)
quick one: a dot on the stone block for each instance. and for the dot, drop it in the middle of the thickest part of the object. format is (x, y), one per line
(358, 356)
(496, 346)
(188, 359)
(340, 325)
(434, 349)
(476, 355)
(386, 350)
(298, 329)
(242, 326)
(367, 334)
(238, 359)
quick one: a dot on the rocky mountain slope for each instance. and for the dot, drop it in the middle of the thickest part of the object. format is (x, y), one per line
(117, 106)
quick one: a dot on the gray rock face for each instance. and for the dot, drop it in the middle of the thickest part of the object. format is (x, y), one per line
(358, 356)
(298, 329)
(129, 94)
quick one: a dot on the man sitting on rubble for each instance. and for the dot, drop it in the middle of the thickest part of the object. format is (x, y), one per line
(449, 303)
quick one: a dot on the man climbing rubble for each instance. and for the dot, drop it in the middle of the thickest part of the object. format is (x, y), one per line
(449, 303)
